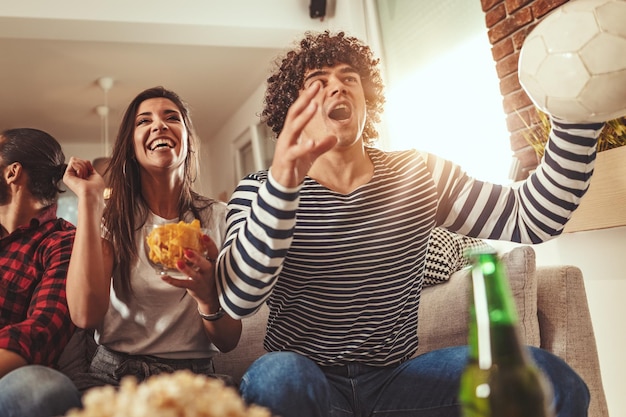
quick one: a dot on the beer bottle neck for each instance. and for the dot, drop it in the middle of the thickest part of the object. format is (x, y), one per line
(493, 329)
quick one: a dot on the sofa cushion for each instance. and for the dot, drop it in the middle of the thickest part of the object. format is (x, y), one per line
(444, 308)
(521, 267)
(445, 254)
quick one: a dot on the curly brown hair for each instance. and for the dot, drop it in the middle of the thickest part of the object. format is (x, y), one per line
(318, 50)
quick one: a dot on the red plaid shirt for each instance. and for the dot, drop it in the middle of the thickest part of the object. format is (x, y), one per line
(34, 317)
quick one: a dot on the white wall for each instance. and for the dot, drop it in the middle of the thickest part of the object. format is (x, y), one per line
(267, 23)
(84, 151)
(601, 256)
(218, 177)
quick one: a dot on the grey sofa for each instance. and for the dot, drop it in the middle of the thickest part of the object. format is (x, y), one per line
(553, 315)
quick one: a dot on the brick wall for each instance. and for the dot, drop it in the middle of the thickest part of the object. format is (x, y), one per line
(508, 23)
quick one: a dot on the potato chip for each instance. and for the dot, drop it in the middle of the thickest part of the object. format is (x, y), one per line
(167, 242)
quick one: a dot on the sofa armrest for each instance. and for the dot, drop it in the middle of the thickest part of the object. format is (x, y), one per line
(566, 328)
(444, 308)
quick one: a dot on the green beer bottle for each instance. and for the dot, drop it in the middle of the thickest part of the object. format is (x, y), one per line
(500, 378)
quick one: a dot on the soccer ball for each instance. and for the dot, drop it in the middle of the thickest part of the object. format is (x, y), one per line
(573, 64)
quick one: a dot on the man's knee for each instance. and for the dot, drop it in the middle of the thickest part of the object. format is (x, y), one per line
(287, 383)
(279, 369)
(37, 390)
(571, 393)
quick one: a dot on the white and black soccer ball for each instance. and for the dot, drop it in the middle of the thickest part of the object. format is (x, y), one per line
(572, 64)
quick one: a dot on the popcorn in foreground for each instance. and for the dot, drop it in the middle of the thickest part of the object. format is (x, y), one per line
(179, 394)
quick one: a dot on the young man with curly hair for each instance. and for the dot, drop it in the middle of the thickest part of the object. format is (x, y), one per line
(334, 237)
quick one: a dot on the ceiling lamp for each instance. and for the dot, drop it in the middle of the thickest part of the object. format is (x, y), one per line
(101, 164)
(105, 84)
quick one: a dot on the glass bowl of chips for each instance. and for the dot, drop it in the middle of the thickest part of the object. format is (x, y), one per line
(165, 245)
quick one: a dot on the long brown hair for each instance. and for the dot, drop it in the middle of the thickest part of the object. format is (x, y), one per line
(126, 210)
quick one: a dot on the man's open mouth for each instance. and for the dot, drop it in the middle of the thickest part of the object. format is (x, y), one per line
(341, 112)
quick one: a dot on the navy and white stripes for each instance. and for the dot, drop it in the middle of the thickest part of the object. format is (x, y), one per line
(342, 273)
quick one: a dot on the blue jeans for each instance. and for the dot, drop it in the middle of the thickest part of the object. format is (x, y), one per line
(291, 385)
(37, 391)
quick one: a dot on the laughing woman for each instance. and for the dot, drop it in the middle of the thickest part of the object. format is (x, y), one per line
(145, 324)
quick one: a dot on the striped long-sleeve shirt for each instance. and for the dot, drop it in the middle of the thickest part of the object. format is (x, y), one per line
(342, 273)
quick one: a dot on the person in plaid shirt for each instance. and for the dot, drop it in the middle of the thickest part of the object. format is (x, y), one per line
(35, 248)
